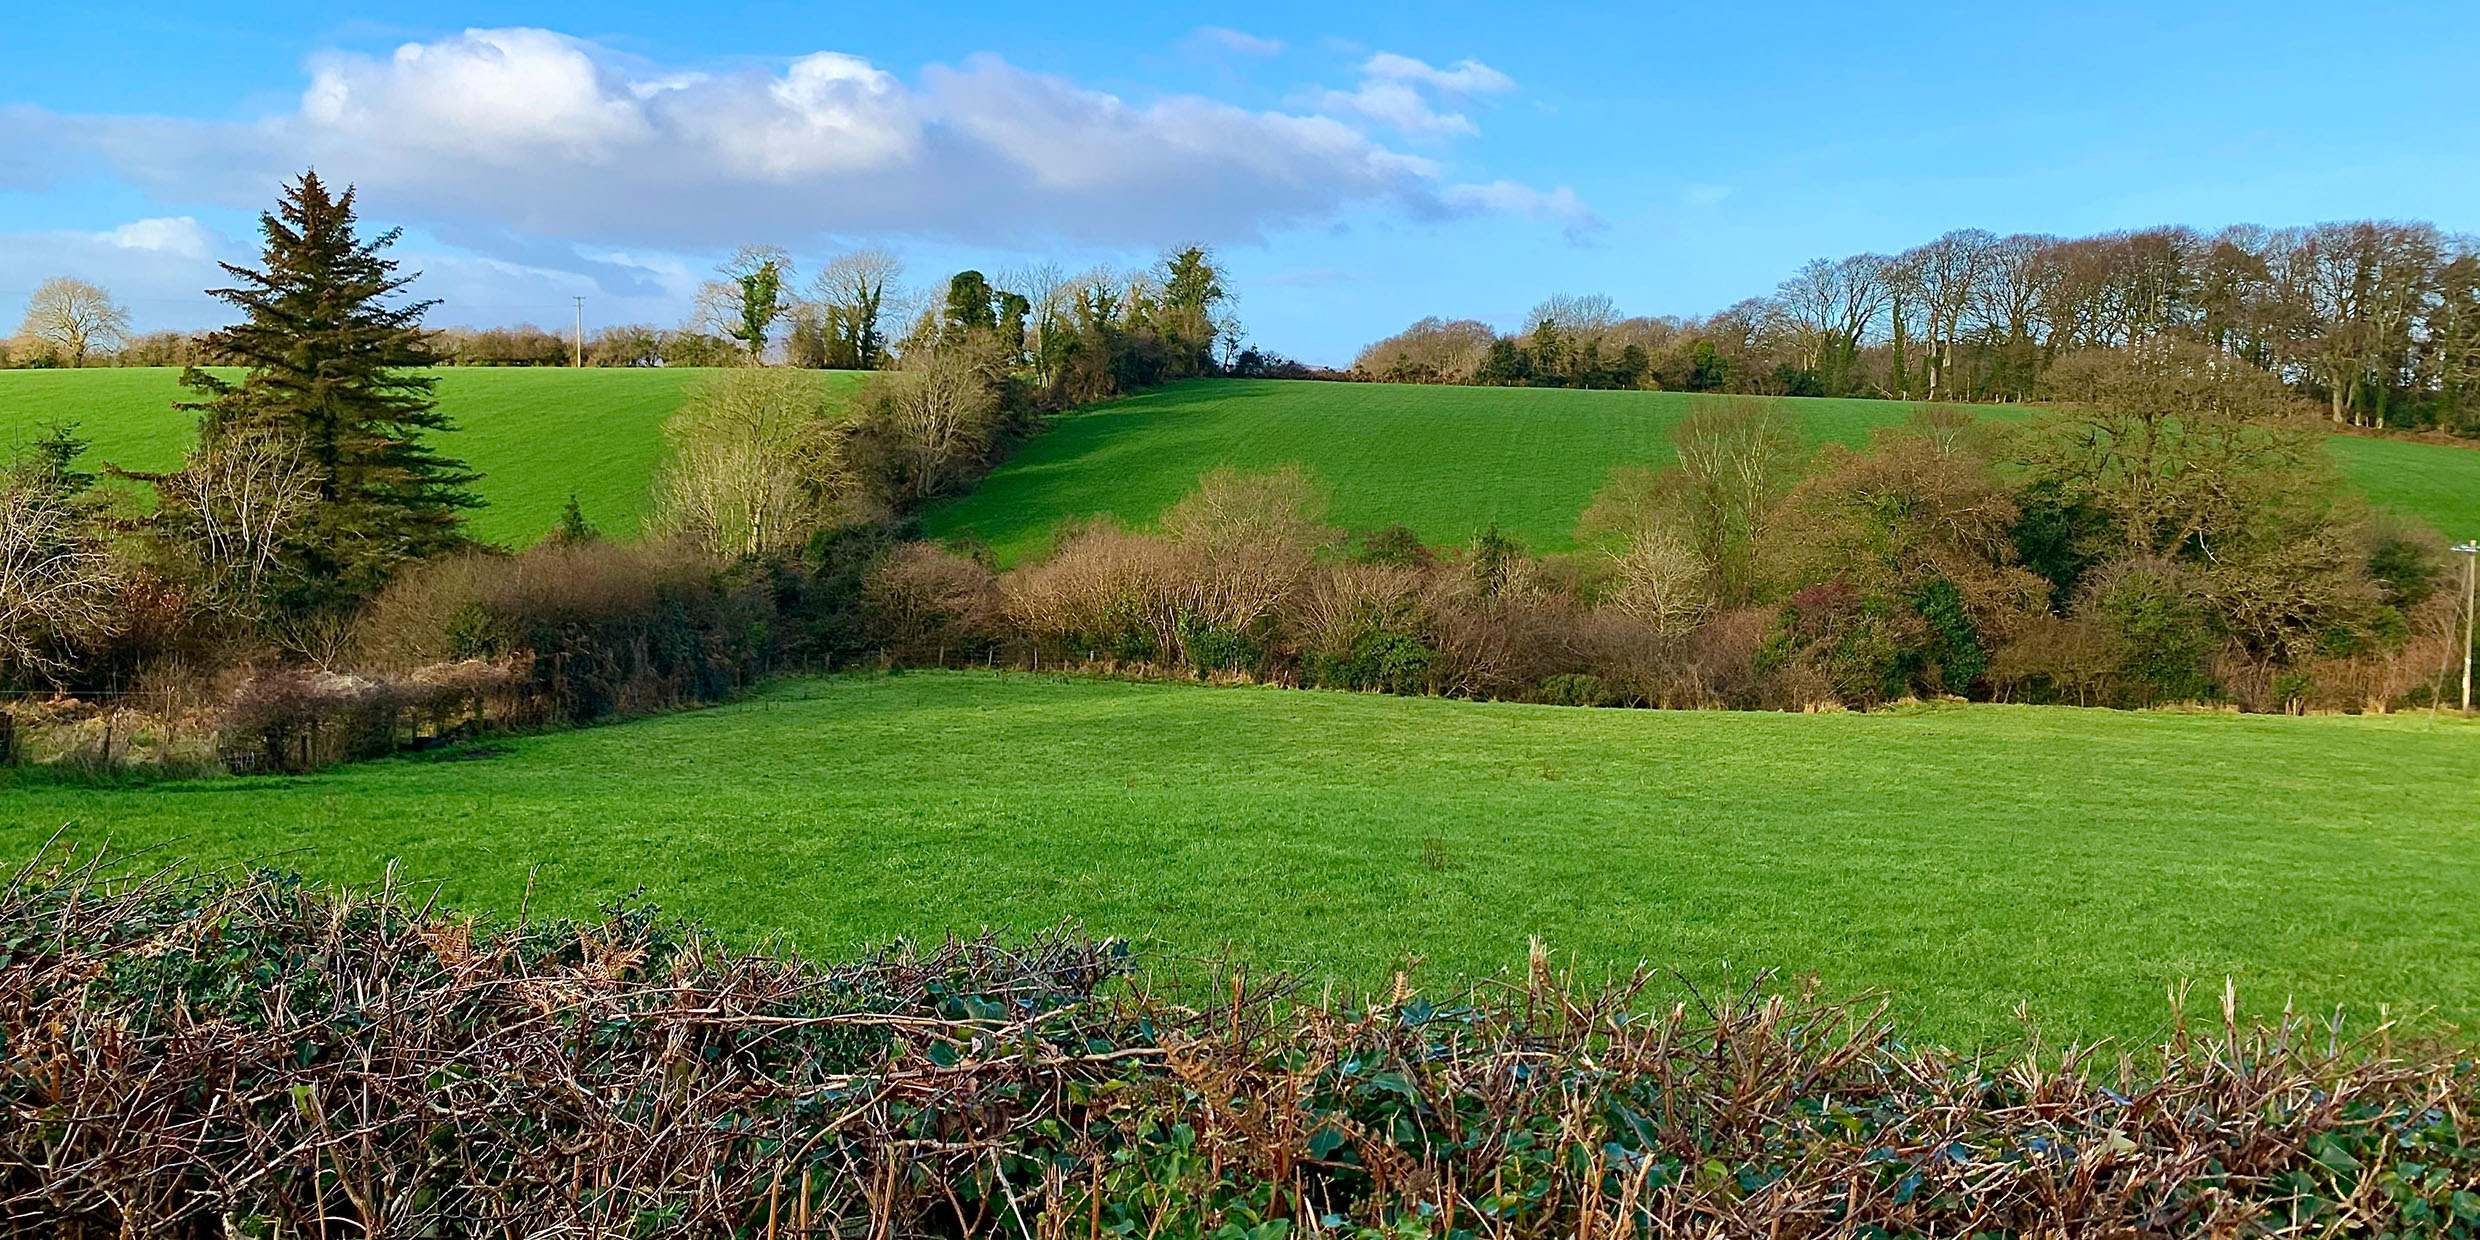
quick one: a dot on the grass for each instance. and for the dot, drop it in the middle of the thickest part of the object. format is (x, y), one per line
(1446, 461)
(537, 435)
(1450, 461)
(1963, 858)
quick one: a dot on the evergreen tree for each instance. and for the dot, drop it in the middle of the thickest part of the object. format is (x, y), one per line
(1013, 312)
(329, 364)
(969, 304)
(49, 464)
(573, 528)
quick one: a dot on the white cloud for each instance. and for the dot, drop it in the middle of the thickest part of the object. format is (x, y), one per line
(513, 136)
(158, 268)
(1560, 206)
(1467, 78)
(1234, 42)
(180, 237)
(1397, 91)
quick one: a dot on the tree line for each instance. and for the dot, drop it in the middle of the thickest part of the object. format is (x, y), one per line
(2377, 321)
(305, 570)
(1092, 332)
(2152, 537)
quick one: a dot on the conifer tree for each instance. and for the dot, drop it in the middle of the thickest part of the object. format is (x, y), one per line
(329, 358)
(573, 528)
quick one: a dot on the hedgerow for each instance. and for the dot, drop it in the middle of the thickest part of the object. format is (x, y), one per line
(197, 1055)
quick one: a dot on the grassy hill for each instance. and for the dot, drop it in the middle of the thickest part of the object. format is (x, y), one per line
(537, 435)
(1449, 461)
(1445, 461)
(1962, 857)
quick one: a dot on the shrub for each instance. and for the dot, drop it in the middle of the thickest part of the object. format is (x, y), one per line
(297, 719)
(1396, 545)
(1104, 591)
(1574, 689)
(2164, 635)
(256, 1056)
(602, 628)
(925, 602)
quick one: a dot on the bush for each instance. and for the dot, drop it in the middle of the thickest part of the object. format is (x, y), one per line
(1105, 591)
(254, 1056)
(2164, 636)
(296, 719)
(1575, 689)
(602, 628)
(925, 602)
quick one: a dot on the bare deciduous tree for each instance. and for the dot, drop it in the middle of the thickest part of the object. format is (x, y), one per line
(242, 491)
(1580, 317)
(938, 411)
(57, 581)
(755, 464)
(75, 317)
(855, 290)
(1657, 578)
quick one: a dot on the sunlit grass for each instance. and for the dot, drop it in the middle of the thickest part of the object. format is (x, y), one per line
(1963, 858)
(536, 434)
(1450, 461)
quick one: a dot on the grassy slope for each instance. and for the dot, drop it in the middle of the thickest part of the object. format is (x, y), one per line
(1449, 461)
(1964, 858)
(536, 434)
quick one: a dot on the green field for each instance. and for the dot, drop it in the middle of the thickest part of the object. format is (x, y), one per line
(1446, 461)
(1962, 858)
(537, 435)
(1449, 461)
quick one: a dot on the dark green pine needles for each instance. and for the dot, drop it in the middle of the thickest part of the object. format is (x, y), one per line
(329, 366)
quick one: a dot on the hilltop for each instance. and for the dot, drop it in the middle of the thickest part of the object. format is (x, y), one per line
(1449, 461)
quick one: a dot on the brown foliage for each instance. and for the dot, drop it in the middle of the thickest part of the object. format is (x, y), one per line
(383, 1065)
(925, 602)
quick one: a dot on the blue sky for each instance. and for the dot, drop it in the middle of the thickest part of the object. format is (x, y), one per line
(1358, 165)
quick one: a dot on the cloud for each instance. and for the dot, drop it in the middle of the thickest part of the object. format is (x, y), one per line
(159, 268)
(503, 137)
(1560, 205)
(1466, 79)
(179, 237)
(1233, 42)
(1397, 92)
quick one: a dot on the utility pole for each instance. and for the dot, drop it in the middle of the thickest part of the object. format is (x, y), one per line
(2470, 551)
(581, 333)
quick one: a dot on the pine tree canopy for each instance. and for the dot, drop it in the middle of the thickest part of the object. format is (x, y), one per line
(330, 360)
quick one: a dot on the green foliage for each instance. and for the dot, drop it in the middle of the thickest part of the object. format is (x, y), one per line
(1494, 560)
(1954, 648)
(1218, 648)
(573, 526)
(760, 304)
(1396, 545)
(2166, 636)
(1380, 659)
(331, 364)
(2058, 537)
(1575, 689)
(50, 463)
(970, 304)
